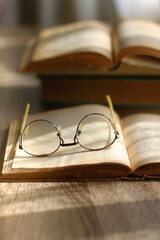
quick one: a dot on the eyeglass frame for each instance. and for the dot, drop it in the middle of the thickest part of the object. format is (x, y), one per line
(78, 129)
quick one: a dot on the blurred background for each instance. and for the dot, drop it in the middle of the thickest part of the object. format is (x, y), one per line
(44, 13)
(21, 19)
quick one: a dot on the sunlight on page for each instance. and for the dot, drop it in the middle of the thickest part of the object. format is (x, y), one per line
(138, 27)
(142, 137)
(7, 162)
(138, 32)
(74, 155)
(92, 38)
(11, 145)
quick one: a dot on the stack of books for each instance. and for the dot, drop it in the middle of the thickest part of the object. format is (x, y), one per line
(82, 61)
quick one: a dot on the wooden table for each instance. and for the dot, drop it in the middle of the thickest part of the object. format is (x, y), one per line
(75, 210)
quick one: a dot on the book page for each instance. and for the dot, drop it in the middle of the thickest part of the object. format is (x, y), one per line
(89, 36)
(148, 63)
(142, 138)
(138, 33)
(68, 119)
(28, 54)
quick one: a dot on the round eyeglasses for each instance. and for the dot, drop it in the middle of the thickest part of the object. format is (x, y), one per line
(94, 132)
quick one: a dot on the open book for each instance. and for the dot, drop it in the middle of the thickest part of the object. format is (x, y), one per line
(92, 45)
(135, 152)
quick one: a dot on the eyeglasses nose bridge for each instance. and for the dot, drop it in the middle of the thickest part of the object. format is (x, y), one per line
(59, 134)
(78, 132)
(62, 140)
(60, 130)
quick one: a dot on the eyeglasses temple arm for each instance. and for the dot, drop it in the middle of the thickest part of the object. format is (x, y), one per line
(24, 117)
(112, 111)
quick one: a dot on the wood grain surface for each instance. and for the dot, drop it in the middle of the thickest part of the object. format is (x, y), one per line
(77, 210)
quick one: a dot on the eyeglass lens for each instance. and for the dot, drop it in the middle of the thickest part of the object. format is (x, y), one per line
(40, 138)
(96, 132)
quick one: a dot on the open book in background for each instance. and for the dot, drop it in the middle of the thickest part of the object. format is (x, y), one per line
(136, 152)
(73, 62)
(95, 45)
